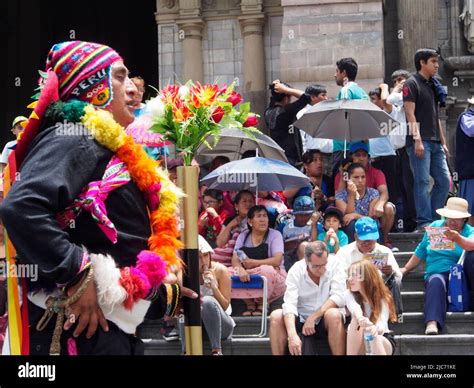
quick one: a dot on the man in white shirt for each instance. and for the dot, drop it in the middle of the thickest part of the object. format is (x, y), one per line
(314, 295)
(365, 245)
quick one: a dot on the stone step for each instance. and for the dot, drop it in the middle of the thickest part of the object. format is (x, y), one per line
(413, 345)
(456, 323)
(403, 257)
(413, 324)
(413, 282)
(418, 345)
(234, 347)
(405, 242)
(413, 301)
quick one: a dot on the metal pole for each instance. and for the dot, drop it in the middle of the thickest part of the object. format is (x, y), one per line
(188, 181)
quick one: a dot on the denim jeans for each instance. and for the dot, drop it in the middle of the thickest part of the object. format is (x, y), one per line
(433, 163)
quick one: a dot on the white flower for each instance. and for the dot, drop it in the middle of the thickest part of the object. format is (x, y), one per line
(183, 91)
(156, 107)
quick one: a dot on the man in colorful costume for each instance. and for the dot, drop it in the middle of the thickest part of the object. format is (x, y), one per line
(91, 210)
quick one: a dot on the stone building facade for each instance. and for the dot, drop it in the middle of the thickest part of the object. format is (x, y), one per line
(299, 41)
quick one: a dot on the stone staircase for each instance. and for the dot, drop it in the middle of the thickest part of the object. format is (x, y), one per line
(457, 337)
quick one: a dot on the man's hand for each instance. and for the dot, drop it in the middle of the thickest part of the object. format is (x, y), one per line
(86, 310)
(378, 210)
(419, 149)
(446, 150)
(294, 345)
(308, 327)
(387, 270)
(348, 218)
(399, 87)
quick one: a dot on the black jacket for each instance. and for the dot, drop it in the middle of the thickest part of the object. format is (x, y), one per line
(280, 123)
(54, 172)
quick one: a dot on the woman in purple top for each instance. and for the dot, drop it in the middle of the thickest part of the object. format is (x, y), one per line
(357, 200)
(259, 251)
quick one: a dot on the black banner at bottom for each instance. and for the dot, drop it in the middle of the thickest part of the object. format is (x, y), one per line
(369, 371)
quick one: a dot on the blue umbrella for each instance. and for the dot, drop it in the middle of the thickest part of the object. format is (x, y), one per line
(259, 174)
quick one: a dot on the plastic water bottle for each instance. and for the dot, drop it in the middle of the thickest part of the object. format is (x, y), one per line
(332, 242)
(368, 342)
(241, 255)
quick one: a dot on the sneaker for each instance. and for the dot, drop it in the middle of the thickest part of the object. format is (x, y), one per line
(171, 335)
(431, 328)
(217, 353)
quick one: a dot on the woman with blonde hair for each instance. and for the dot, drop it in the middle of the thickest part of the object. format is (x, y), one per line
(371, 306)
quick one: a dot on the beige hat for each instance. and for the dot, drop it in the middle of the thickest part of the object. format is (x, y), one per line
(455, 208)
(204, 246)
(470, 100)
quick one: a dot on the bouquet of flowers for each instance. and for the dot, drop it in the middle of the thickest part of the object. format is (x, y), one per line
(187, 114)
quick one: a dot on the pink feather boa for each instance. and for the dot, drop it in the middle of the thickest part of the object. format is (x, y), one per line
(148, 273)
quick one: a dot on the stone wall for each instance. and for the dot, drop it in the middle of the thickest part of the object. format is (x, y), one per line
(318, 33)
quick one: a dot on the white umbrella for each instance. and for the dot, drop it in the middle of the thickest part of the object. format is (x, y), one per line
(346, 120)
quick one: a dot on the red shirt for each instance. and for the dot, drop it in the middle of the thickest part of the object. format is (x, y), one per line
(373, 178)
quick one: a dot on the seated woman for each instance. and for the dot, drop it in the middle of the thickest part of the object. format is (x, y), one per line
(357, 200)
(439, 261)
(215, 287)
(263, 255)
(212, 218)
(232, 227)
(371, 306)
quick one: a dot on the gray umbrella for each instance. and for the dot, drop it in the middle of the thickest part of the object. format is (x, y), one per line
(347, 120)
(233, 142)
(255, 174)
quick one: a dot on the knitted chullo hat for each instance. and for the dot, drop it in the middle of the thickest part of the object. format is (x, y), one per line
(74, 70)
(83, 71)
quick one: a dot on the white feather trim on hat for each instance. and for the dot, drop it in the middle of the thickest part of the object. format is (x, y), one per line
(107, 280)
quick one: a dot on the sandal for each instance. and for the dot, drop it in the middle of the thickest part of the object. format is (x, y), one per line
(250, 310)
(258, 311)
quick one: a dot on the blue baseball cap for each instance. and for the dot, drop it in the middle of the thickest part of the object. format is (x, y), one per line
(303, 205)
(359, 145)
(367, 229)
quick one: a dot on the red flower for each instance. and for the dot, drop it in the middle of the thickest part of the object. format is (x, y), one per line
(234, 98)
(203, 95)
(218, 114)
(251, 121)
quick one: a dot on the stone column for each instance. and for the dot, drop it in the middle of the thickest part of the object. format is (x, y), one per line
(252, 21)
(190, 31)
(417, 28)
(254, 53)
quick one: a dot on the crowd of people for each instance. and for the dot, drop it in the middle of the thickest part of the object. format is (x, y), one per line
(323, 247)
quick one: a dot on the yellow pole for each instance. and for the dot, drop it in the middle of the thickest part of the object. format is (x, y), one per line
(189, 182)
